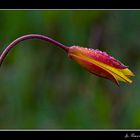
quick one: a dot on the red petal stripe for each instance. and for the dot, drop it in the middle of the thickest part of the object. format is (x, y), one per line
(99, 56)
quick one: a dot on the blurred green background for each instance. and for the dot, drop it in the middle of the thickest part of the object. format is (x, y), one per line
(41, 88)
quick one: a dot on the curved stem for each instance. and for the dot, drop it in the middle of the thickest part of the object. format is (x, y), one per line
(30, 36)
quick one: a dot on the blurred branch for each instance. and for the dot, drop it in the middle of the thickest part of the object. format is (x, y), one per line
(96, 35)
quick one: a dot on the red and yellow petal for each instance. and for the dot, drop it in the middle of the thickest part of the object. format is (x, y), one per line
(97, 55)
(94, 69)
(101, 64)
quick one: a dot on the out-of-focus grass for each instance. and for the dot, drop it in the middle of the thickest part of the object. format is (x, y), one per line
(40, 87)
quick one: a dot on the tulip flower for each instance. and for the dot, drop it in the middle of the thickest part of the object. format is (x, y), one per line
(101, 64)
(93, 60)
